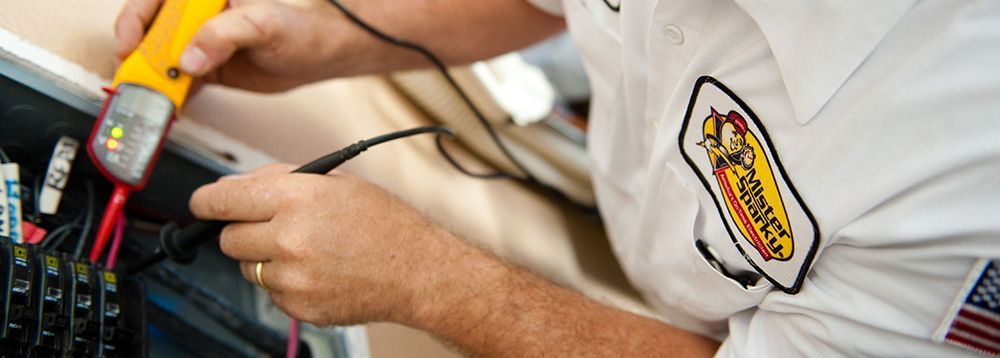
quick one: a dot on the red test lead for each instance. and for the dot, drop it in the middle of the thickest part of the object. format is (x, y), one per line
(146, 92)
(111, 215)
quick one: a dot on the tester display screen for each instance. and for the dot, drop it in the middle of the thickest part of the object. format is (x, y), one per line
(130, 132)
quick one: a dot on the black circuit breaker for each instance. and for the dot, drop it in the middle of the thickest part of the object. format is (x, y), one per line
(52, 314)
(54, 306)
(17, 283)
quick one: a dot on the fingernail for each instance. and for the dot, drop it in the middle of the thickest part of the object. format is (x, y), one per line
(194, 61)
(232, 176)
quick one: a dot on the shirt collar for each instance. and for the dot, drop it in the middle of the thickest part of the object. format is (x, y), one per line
(819, 44)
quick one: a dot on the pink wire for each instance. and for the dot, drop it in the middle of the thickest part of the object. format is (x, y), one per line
(116, 241)
(292, 350)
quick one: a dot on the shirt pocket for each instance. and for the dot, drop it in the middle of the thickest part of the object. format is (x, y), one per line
(665, 263)
(715, 292)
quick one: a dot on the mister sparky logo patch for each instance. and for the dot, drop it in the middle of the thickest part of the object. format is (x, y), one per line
(747, 184)
(728, 148)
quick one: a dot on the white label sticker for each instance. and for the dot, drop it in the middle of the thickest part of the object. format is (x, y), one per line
(12, 180)
(57, 175)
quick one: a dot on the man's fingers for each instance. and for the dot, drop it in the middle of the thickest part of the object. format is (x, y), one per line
(242, 199)
(249, 241)
(221, 36)
(131, 24)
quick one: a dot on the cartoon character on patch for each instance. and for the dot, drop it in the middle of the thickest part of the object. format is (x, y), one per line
(728, 141)
(747, 184)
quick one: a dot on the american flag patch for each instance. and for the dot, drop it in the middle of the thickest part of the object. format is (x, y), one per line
(974, 319)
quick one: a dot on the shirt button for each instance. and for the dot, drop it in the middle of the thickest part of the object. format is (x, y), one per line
(673, 34)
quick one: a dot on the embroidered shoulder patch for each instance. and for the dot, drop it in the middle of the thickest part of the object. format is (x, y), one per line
(728, 148)
(973, 321)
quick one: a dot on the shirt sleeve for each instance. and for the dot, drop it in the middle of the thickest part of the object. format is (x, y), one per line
(794, 334)
(894, 274)
(553, 7)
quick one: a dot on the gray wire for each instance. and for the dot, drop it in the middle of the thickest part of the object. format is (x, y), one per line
(36, 195)
(63, 232)
(50, 242)
(86, 222)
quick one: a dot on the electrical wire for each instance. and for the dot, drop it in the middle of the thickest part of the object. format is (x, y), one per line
(116, 241)
(373, 141)
(528, 178)
(439, 142)
(115, 206)
(28, 196)
(53, 239)
(439, 65)
(88, 218)
(292, 349)
(3, 156)
(179, 244)
(36, 195)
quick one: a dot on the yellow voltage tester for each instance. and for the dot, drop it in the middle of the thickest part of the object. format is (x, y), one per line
(144, 96)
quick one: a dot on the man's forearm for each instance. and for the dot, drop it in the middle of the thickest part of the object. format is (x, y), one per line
(488, 308)
(458, 31)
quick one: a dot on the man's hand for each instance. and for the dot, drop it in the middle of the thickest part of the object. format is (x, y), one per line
(336, 249)
(268, 46)
(259, 45)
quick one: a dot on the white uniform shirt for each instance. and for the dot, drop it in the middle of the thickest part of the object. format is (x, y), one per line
(867, 137)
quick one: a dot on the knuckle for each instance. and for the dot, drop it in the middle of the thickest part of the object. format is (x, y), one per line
(131, 10)
(120, 22)
(294, 246)
(227, 241)
(211, 35)
(287, 196)
(297, 283)
(296, 190)
(262, 19)
(220, 205)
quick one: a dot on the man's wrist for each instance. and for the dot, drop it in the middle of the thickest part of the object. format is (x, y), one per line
(350, 50)
(340, 44)
(457, 283)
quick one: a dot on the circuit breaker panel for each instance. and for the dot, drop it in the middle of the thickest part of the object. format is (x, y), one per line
(57, 306)
(57, 301)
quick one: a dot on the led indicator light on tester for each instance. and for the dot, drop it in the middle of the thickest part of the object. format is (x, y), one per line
(146, 92)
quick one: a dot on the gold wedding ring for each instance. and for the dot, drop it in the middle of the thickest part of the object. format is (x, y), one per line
(259, 277)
